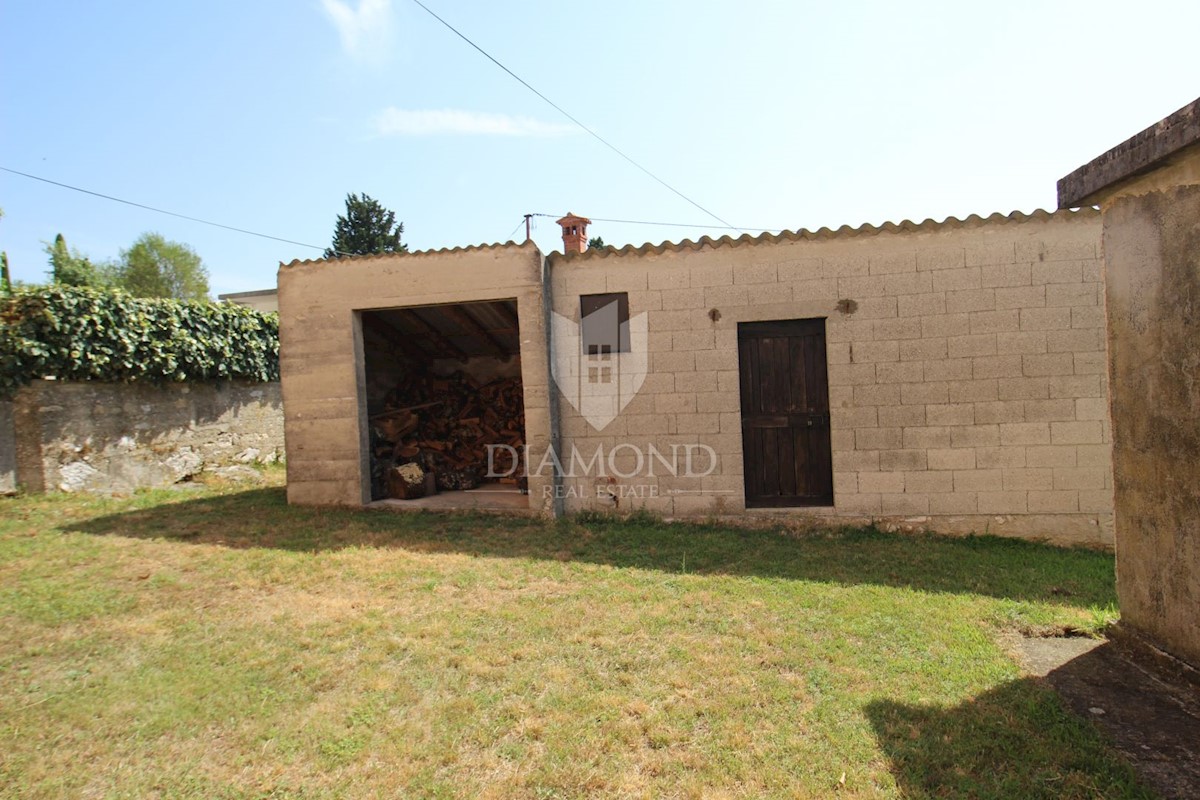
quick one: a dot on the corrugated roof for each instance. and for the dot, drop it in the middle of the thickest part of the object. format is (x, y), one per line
(299, 262)
(844, 232)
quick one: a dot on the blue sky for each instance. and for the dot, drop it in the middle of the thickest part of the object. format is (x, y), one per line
(264, 114)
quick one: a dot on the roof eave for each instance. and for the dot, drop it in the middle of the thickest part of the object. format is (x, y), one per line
(1134, 157)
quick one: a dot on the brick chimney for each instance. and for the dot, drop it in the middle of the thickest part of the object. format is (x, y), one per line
(574, 233)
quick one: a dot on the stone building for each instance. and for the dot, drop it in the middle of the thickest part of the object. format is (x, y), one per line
(949, 375)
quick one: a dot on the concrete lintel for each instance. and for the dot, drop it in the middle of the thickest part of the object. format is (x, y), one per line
(1133, 157)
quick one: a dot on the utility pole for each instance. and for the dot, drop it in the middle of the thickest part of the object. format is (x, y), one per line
(527, 218)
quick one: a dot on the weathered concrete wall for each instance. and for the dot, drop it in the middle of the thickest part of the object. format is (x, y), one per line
(321, 352)
(1152, 250)
(967, 389)
(117, 437)
(8, 449)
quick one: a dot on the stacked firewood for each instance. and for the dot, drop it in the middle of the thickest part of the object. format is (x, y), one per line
(443, 425)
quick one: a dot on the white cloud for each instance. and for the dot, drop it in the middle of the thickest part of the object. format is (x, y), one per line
(365, 31)
(401, 122)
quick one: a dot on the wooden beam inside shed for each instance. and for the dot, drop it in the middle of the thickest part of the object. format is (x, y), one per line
(508, 310)
(463, 317)
(448, 347)
(393, 336)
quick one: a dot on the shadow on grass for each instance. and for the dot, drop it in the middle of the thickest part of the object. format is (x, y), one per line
(1017, 740)
(981, 565)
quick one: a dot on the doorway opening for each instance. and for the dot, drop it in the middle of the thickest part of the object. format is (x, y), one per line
(445, 406)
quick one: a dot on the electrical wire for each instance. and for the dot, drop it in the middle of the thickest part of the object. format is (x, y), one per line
(514, 233)
(162, 210)
(564, 112)
(318, 247)
(668, 224)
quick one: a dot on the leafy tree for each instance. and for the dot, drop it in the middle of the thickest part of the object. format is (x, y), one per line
(158, 267)
(366, 228)
(595, 241)
(72, 268)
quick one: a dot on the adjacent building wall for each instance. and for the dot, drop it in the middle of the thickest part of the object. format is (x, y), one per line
(117, 437)
(1148, 190)
(1152, 245)
(967, 375)
(321, 352)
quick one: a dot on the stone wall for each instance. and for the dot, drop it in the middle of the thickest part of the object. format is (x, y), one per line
(967, 383)
(8, 449)
(117, 437)
(321, 360)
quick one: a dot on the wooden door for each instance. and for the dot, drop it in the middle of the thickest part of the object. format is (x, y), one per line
(785, 413)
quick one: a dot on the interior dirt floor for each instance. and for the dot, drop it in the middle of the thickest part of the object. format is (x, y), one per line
(488, 497)
(1151, 717)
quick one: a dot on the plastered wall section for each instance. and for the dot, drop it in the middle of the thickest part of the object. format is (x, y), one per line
(118, 437)
(967, 388)
(321, 362)
(1152, 246)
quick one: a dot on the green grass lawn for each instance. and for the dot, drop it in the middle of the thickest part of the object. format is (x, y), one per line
(219, 644)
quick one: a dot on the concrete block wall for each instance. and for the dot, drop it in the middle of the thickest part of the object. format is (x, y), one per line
(966, 369)
(321, 362)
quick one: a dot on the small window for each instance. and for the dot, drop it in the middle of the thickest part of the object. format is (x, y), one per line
(604, 324)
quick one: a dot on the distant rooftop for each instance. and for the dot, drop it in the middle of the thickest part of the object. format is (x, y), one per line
(260, 300)
(235, 296)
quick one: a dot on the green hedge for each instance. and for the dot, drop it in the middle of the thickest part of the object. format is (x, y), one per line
(104, 335)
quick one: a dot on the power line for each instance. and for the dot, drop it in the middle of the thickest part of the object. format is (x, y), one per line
(162, 210)
(318, 247)
(564, 112)
(670, 224)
